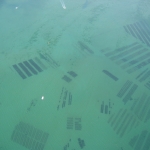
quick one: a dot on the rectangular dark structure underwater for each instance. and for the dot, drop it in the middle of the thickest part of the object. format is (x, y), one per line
(35, 65)
(139, 30)
(131, 58)
(66, 78)
(29, 136)
(85, 47)
(141, 141)
(125, 87)
(110, 75)
(18, 70)
(72, 73)
(122, 122)
(25, 69)
(28, 68)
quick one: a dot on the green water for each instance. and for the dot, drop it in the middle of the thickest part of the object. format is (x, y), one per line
(74, 75)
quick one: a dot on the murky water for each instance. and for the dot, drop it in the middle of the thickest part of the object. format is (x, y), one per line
(74, 74)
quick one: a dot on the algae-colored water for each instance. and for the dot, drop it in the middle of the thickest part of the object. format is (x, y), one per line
(74, 75)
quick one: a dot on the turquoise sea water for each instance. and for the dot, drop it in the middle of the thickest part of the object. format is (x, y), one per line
(74, 75)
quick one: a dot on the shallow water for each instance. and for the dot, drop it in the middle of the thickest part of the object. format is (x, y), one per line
(74, 78)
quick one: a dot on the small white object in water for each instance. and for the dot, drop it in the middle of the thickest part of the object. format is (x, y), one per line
(42, 98)
(16, 7)
(63, 4)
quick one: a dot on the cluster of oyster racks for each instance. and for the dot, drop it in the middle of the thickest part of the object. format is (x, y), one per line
(63, 4)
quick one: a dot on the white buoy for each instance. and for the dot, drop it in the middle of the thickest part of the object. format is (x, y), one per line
(42, 98)
(63, 4)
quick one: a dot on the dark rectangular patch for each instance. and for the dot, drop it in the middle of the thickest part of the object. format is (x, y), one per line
(40, 63)
(147, 85)
(144, 109)
(70, 123)
(147, 143)
(78, 125)
(145, 76)
(141, 140)
(110, 75)
(139, 66)
(131, 56)
(145, 26)
(126, 53)
(133, 141)
(128, 123)
(102, 107)
(131, 32)
(25, 69)
(147, 117)
(35, 65)
(136, 60)
(139, 30)
(66, 78)
(19, 71)
(85, 47)
(120, 49)
(30, 67)
(106, 109)
(81, 143)
(142, 33)
(44, 138)
(73, 74)
(126, 29)
(29, 137)
(70, 99)
(124, 88)
(136, 32)
(130, 93)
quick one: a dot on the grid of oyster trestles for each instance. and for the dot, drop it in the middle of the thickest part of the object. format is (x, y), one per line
(29, 137)
(34, 66)
(140, 30)
(124, 120)
(28, 68)
(127, 90)
(131, 57)
(141, 141)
